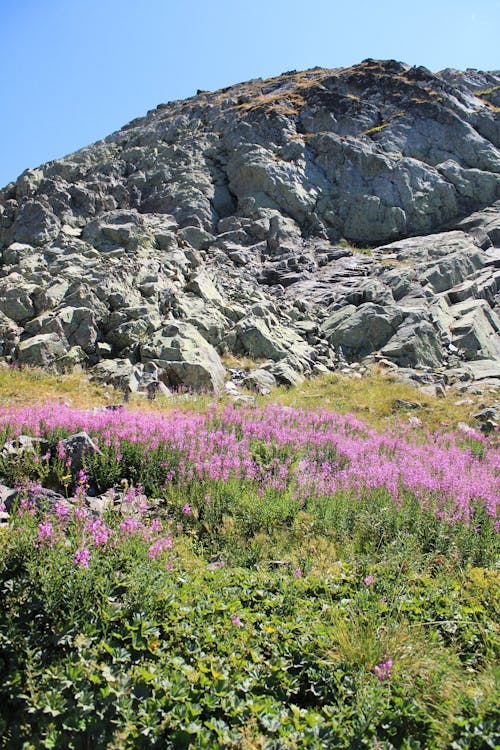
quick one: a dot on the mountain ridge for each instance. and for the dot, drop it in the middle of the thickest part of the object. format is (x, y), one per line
(228, 223)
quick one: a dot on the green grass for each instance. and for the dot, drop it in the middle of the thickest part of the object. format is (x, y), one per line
(374, 397)
(264, 624)
(35, 386)
(129, 654)
(377, 397)
(377, 129)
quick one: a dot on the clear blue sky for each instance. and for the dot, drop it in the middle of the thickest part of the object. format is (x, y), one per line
(73, 71)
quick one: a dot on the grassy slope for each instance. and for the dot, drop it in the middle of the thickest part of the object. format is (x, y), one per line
(130, 653)
(373, 398)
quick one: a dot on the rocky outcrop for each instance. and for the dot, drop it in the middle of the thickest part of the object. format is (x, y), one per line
(305, 222)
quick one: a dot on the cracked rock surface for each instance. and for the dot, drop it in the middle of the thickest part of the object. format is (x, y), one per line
(306, 221)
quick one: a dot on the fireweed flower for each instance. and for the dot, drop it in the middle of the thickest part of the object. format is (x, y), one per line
(156, 524)
(83, 478)
(98, 531)
(62, 510)
(130, 525)
(26, 506)
(45, 535)
(383, 671)
(156, 549)
(338, 454)
(82, 558)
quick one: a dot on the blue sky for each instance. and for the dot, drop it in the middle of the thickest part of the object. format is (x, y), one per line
(73, 72)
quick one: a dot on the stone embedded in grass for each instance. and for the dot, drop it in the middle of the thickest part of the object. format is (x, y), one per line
(76, 446)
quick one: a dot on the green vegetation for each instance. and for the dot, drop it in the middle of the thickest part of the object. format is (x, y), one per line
(486, 92)
(34, 386)
(278, 576)
(130, 654)
(380, 400)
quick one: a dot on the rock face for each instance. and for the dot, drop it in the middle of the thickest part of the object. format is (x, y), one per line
(229, 222)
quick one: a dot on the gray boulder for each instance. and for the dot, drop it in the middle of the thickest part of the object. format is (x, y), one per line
(264, 338)
(120, 373)
(9, 335)
(476, 330)
(415, 343)
(185, 357)
(259, 380)
(35, 224)
(365, 330)
(76, 446)
(16, 298)
(41, 351)
(286, 374)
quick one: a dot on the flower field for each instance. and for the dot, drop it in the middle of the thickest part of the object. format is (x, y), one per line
(247, 577)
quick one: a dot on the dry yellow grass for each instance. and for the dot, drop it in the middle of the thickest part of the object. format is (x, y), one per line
(35, 386)
(374, 398)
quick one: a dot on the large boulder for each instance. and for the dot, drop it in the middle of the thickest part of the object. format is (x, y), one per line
(415, 343)
(365, 330)
(265, 338)
(16, 298)
(476, 329)
(35, 224)
(185, 356)
(120, 373)
(78, 324)
(41, 351)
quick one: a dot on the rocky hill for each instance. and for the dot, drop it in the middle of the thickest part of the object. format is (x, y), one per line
(306, 222)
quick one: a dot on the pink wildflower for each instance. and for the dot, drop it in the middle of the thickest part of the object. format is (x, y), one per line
(159, 546)
(186, 509)
(99, 531)
(383, 670)
(156, 524)
(45, 534)
(368, 580)
(236, 620)
(26, 506)
(130, 526)
(61, 509)
(82, 557)
(297, 573)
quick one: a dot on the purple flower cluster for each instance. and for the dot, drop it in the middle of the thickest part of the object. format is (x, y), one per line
(310, 453)
(82, 558)
(45, 535)
(97, 531)
(157, 548)
(383, 671)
